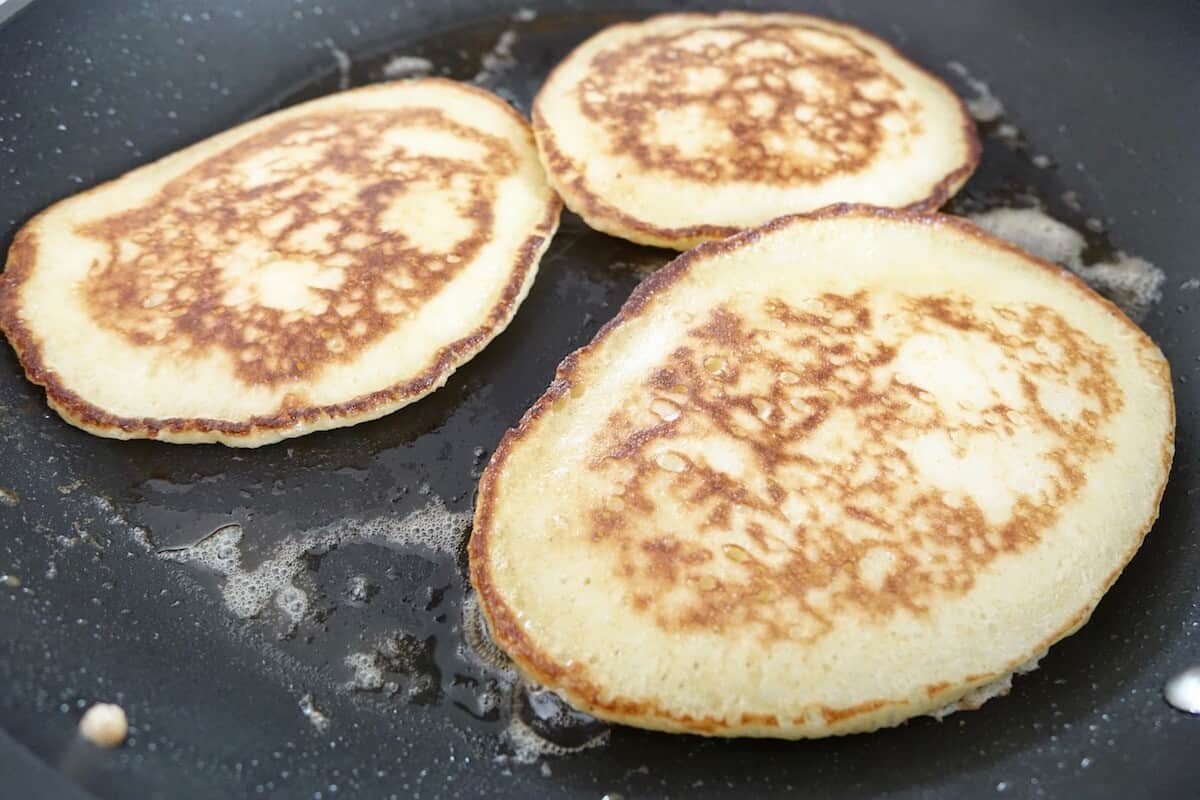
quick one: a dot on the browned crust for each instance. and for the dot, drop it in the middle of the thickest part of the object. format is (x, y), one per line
(573, 681)
(835, 715)
(934, 689)
(610, 219)
(22, 260)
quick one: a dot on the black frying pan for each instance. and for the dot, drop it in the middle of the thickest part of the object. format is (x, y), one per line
(90, 89)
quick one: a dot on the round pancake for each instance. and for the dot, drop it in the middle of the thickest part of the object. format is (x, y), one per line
(821, 477)
(690, 127)
(318, 267)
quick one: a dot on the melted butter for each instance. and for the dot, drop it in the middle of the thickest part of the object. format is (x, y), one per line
(1183, 690)
(1133, 283)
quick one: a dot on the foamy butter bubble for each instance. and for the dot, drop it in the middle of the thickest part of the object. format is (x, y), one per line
(316, 717)
(292, 601)
(1131, 282)
(218, 551)
(368, 674)
(247, 592)
(342, 60)
(489, 700)
(1032, 230)
(983, 106)
(407, 67)
(433, 527)
(528, 746)
(499, 59)
(139, 534)
(525, 744)
(478, 647)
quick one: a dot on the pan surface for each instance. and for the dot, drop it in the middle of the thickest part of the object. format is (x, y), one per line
(364, 631)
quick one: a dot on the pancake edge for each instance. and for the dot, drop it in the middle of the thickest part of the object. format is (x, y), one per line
(574, 684)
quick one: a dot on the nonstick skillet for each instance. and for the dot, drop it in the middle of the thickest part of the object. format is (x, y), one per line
(1101, 112)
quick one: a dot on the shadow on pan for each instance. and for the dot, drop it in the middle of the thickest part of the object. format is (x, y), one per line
(1104, 106)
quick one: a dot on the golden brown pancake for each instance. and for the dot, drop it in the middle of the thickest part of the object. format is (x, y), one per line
(821, 477)
(315, 268)
(690, 127)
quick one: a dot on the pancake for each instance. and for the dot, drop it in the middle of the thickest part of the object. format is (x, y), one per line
(690, 127)
(821, 477)
(318, 267)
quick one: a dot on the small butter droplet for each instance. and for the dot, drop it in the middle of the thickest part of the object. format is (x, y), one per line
(714, 365)
(104, 724)
(672, 462)
(735, 553)
(1183, 691)
(706, 583)
(665, 409)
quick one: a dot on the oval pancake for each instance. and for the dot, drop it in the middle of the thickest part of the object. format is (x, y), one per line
(317, 267)
(821, 477)
(690, 127)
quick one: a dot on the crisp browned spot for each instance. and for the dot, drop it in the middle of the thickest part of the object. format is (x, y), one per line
(797, 453)
(832, 715)
(934, 689)
(299, 246)
(774, 103)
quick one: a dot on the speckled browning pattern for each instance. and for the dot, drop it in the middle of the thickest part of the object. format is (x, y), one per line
(864, 536)
(767, 87)
(939, 542)
(312, 191)
(165, 276)
(786, 102)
